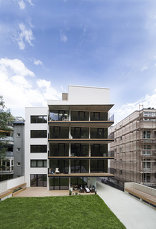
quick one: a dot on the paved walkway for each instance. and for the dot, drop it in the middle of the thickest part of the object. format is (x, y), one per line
(41, 192)
(130, 211)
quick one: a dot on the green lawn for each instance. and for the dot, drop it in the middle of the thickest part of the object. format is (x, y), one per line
(74, 212)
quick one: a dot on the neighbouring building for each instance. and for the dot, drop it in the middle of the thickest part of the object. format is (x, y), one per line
(134, 148)
(18, 148)
(6, 158)
(66, 143)
(12, 142)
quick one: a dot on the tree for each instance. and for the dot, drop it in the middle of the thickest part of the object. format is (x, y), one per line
(6, 120)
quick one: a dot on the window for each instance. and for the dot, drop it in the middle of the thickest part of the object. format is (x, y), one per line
(18, 135)
(18, 149)
(59, 115)
(38, 118)
(38, 180)
(146, 134)
(60, 149)
(98, 166)
(98, 116)
(38, 134)
(98, 132)
(59, 132)
(79, 116)
(147, 146)
(79, 150)
(38, 163)
(63, 165)
(18, 163)
(38, 149)
(99, 150)
(79, 166)
(80, 132)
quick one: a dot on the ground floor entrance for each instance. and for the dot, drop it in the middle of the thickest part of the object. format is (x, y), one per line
(38, 180)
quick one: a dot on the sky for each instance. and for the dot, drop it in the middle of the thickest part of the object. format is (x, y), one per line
(47, 45)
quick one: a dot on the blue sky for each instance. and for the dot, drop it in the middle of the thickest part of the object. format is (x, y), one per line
(102, 43)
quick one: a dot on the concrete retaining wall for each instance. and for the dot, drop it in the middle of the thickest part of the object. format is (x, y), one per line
(5, 185)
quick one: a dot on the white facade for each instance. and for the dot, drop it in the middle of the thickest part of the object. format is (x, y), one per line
(34, 141)
(84, 96)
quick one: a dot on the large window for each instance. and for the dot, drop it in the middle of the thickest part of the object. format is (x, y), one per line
(60, 149)
(38, 134)
(59, 132)
(38, 180)
(62, 165)
(98, 166)
(79, 150)
(98, 132)
(78, 181)
(80, 132)
(59, 115)
(98, 116)
(38, 118)
(99, 150)
(79, 116)
(79, 166)
(38, 149)
(38, 163)
(58, 183)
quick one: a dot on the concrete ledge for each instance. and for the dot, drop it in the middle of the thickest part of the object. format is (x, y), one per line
(12, 192)
(142, 192)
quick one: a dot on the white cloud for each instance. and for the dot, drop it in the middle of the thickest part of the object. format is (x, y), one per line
(25, 36)
(127, 109)
(38, 62)
(22, 3)
(30, 2)
(20, 89)
(63, 37)
(43, 83)
(16, 66)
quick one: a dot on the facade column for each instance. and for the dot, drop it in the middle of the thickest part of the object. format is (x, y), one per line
(89, 155)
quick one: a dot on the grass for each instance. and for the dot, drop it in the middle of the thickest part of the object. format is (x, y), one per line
(72, 212)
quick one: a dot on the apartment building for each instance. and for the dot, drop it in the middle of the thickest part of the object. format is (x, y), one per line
(66, 143)
(134, 148)
(12, 143)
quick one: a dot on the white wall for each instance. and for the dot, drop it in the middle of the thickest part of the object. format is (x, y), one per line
(5, 185)
(88, 95)
(34, 141)
(84, 95)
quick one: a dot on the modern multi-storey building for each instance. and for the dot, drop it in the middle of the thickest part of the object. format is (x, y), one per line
(66, 143)
(134, 148)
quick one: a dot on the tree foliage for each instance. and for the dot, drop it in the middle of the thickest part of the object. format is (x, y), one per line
(6, 120)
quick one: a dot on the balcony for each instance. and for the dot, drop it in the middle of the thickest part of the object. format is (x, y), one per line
(7, 139)
(50, 174)
(67, 123)
(80, 119)
(78, 135)
(6, 170)
(72, 140)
